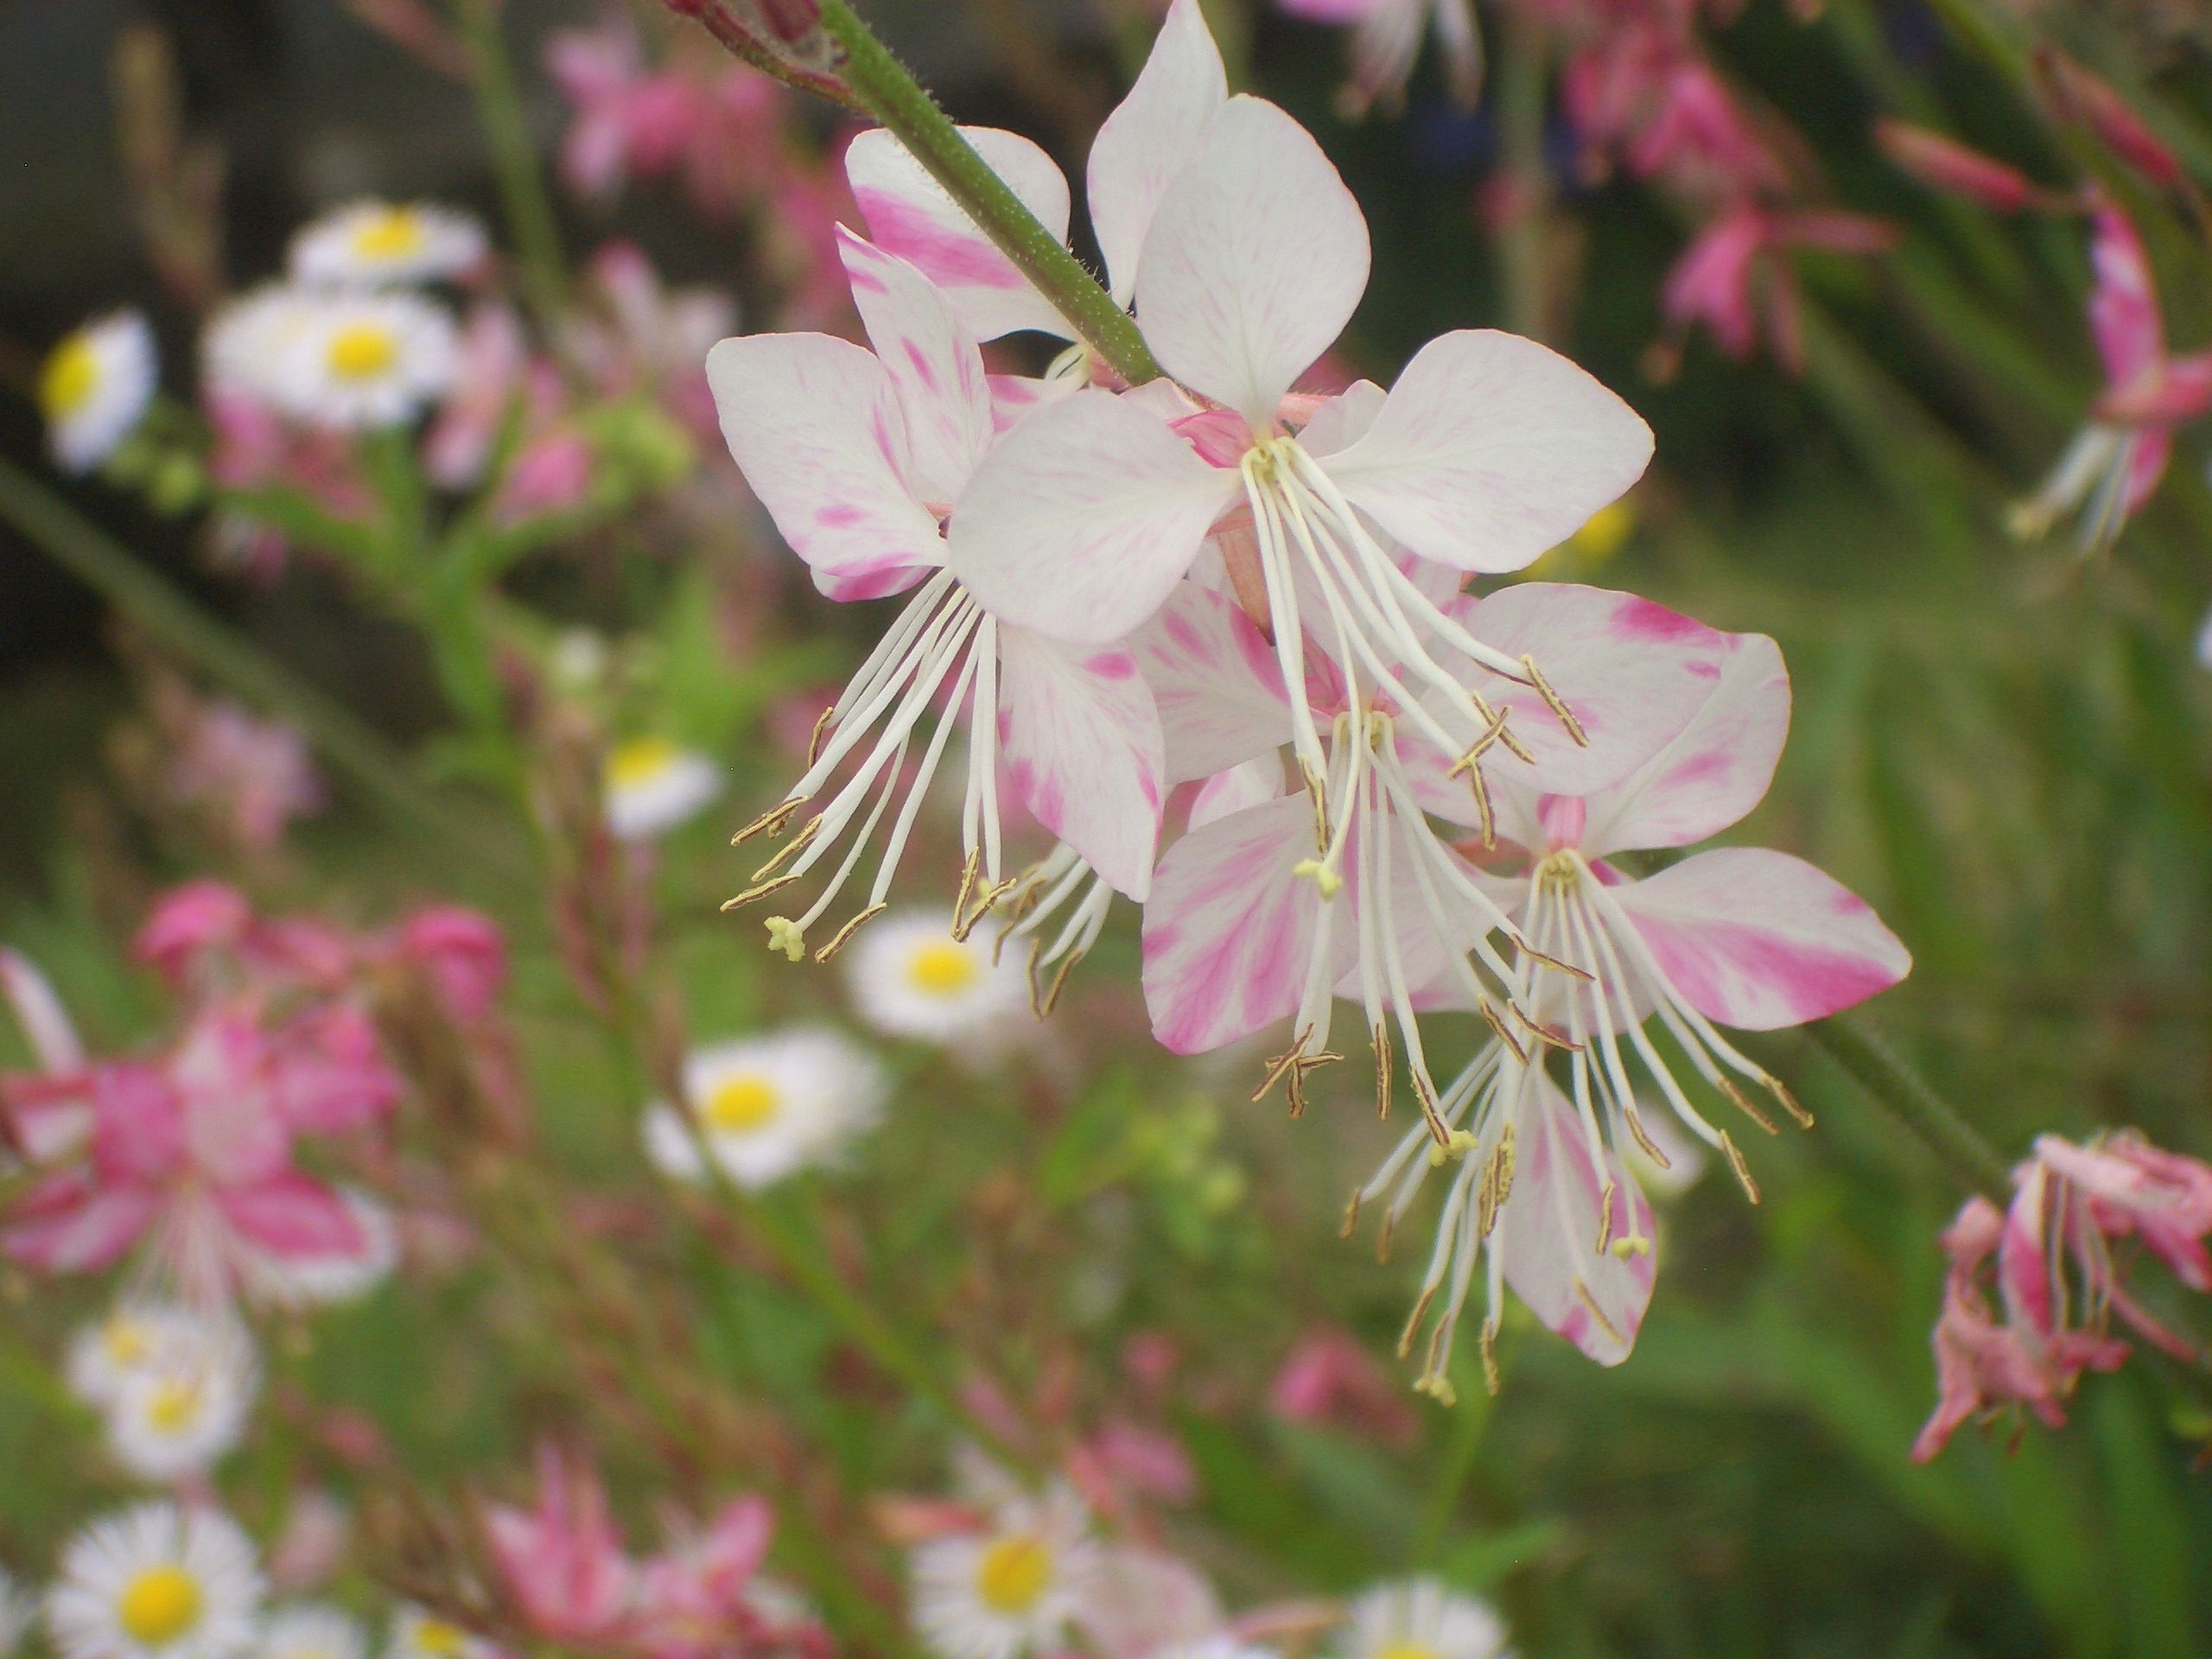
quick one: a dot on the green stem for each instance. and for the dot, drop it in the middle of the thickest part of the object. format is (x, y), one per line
(1910, 1098)
(881, 84)
(103, 564)
(523, 195)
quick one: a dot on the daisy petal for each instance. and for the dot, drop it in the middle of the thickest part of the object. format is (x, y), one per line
(1084, 517)
(934, 365)
(1226, 930)
(1149, 136)
(1595, 1299)
(1490, 450)
(816, 426)
(1082, 742)
(1256, 258)
(908, 213)
(1715, 772)
(1760, 940)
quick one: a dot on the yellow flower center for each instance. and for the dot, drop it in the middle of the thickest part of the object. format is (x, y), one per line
(126, 1341)
(435, 1635)
(639, 762)
(362, 351)
(173, 1406)
(1013, 1573)
(391, 234)
(70, 378)
(942, 969)
(1408, 1651)
(741, 1103)
(159, 1606)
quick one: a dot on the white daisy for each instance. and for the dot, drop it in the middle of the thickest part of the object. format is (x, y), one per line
(652, 784)
(156, 1582)
(1419, 1618)
(135, 1337)
(311, 1630)
(912, 978)
(249, 341)
(1012, 1588)
(365, 359)
(1213, 1646)
(769, 1105)
(179, 1415)
(366, 243)
(93, 388)
(417, 1633)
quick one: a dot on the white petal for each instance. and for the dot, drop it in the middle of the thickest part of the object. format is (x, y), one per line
(1083, 519)
(1489, 450)
(1256, 258)
(1343, 420)
(909, 214)
(1228, 927)
(1217, 681)
(814, 425)
(1760, 940)
(1149, 136)
(1082, 743)
(1248, 783)
(935, 366)
(1715, 772)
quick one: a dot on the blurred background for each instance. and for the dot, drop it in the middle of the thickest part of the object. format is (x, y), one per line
(2004, 744)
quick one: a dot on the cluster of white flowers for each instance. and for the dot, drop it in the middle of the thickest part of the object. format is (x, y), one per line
(346, 341)
(174, 1385)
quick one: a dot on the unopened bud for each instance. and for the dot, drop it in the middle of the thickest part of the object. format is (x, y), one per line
(2082, 96)
(1946, 164)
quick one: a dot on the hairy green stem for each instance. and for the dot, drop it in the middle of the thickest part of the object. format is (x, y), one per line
(1909, 1098)
(103, 564)
(524, 198)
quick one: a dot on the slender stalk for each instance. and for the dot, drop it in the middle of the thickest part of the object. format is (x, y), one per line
(1909, 1098)
(527, 203)
(103, 564)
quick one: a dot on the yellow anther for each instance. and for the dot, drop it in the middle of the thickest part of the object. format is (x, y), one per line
(786, 936)
(1326, 881)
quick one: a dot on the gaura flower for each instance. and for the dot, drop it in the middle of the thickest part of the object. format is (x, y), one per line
(910, 978)
(654, 784)
(370, 244)
(94, 387)
(254, 776)
(1009, 1589)
(767, 1107)
(1735, 278)
(1386, 39)
(859, 457)
(2114, 463)
(156, 1581)
(1737, 936)
(1419, 1618)
(562, 1561)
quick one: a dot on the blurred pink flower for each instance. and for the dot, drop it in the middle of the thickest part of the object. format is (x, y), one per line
(463, 952)
(1330, 1378)
(629, 122)
(1734, 277)
(254, 774)
(562, 1561)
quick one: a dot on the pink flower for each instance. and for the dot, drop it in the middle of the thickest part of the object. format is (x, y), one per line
(859, 456)
(644, 336)
(1734, 277)
(628, 122)
(2115, 463)
(461, 951)
(1330, 1378)
(2058, 1278)
(1641, 87)
(254, 773)
(562, 1561)
(1386, 39)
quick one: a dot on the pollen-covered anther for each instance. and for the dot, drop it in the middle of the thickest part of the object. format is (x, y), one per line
(1381, 1042)
(769, 822)
(1582, 1294)
(1775, 1086)
(1414, 1322)
(791, 848)
(758, 891)
(1744, 1103)
(786, 936)
(1644, 1143)
(843, 935)
(1524, 948)
(1743, 1170)
(1605, 1214)
(1290, 1067)
(962, 926)
(1556, 704)
(1497, 1029)
(822, 723)
(1494, 1184)
(1487, 1343)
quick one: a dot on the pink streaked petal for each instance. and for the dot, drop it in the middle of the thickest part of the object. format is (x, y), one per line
(935, 366)
(68, 1223)
(1081, 744)
(1249, 783)
(1148, 138)
(908, 213)
(291, 1215)
(2147, 456)
(1489, 450)
(1256, 258)
(814, 425)
(1549, 1231)
(1228, 927)
(2124, 316)
(1343, 420)
(1760, 940)
(1217, 681)
(45, 1023)
(1633, 672)
(1084, 517)
(1014, 397)
(1714, 772)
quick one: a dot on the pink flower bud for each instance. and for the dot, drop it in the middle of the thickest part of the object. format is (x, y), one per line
(1949, 165)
